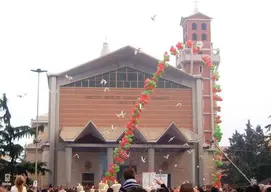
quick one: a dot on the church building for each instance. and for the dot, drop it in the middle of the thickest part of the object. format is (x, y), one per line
(88, 113)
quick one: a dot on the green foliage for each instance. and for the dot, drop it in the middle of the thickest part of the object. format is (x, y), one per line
(9, 134)
(250, 152)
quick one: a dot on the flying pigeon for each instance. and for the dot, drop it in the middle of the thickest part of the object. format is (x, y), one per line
(21, 96)
(153, 17)
(76, 155)
(171, 139)
(178, 105)
(143, 159)
(167, 156)
(189, 151)
(128, 155)
(121, 114)
(68, 77)
(137, 51)
(103, 82)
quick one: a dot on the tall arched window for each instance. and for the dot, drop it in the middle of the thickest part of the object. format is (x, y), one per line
(203, 26)
(194, 26)
(203, 37)
(194, 37)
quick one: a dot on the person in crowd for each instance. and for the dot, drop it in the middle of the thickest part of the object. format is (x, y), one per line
(162, 185)
(61, 189)
(186, 187)
(110, 189)
(19, 185)
(136, 189)
(2, 189)
(130, 182)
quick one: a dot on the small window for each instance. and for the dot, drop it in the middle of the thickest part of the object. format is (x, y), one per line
(120, 84)
(132, 76)
(91, 83)
(133, 84)
(194, 26)
(200, 69)
(113, 75)
(112, 84)
(85, 83)
(204, 37)
(140, 84)
(126, 84)
(194, 37)
(203, 26)
(141, 76)
(161, 84)
(167, 84)
(78, 84)
(121, 77)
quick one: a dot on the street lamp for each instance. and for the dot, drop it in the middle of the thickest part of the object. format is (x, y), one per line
(39, 71)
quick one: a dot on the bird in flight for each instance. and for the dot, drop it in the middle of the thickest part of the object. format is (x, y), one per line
(121, 114)
(153, 17)
(167, 156)
(186, 145)
(22, 95)
(103, 82)
(178, 105)
(76, 155)
(171, 139)
(68, 77)
(128, 155)
(143, 159)
(137, 51)
(106, 89)
(189, 151)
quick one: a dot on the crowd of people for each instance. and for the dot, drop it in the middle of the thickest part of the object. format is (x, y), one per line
(131, 185)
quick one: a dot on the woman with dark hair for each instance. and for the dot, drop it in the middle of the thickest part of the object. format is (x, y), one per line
(187, 187)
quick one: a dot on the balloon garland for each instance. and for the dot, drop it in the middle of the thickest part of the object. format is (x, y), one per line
(120, 153)
(218, 132)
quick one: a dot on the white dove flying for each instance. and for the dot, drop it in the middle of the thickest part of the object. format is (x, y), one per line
(171, 139)
(121, 114)
(137, 51)
(76, 155)
(167, 156)
(22, 95)
(106, 89)
(112, 127)
(178, 105)
(153, 17)
(103, 82)
(189, 151)
(143, 159)
(128, 155)
(68, 77)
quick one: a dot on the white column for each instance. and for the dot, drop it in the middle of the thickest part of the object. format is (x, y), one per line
(200, 130)
(110, 159)
(151, 160)
(68, 166)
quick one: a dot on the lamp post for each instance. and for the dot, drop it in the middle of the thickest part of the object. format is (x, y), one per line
(39, 71)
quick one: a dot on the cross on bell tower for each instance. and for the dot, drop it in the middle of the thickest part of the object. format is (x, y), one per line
(196, 2)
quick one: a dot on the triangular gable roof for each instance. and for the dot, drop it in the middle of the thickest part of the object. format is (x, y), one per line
(71, 134)
(137, 134)
(197, 15)
(122, 53)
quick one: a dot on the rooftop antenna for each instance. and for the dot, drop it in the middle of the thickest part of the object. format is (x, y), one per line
(196, 3)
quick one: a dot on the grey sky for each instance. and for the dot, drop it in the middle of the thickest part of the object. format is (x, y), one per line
(59, 34)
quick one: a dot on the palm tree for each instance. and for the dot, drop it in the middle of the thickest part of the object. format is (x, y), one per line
(268, 127)
(9, 134)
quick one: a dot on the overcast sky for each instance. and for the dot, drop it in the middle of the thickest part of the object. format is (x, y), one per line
(59, 34)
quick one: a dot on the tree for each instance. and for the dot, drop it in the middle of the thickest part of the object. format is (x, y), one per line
(250, 152)
(9, 134)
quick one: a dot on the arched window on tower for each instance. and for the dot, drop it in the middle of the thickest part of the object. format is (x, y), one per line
(194, 37)
(194, 26)
(203, 26)
(203, 37)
